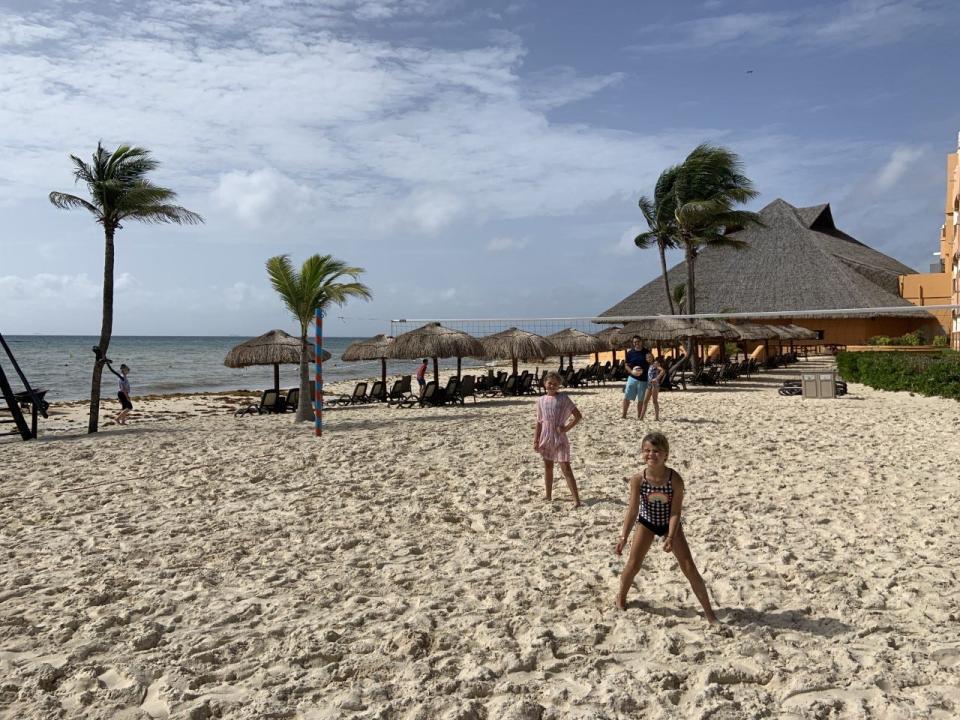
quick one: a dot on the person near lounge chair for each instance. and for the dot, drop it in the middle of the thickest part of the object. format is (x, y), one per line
(421, 373)
(637, 368)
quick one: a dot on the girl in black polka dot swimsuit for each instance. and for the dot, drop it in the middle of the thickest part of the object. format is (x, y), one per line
(656, 498)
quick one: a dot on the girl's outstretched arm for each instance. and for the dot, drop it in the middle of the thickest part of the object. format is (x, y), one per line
(675, 507)
(110, 368)
(633, 506)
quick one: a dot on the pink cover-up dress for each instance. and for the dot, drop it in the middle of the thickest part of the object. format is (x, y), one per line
(552, 412)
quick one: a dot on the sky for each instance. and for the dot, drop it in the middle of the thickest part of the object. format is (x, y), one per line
(477, 160)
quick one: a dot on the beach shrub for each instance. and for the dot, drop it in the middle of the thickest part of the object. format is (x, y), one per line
(911, 338)
(933, 374)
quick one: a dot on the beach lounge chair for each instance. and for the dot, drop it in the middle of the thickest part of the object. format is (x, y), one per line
(451, 390)
(466, 389)
(359, 395)
(378, 392)
(432, 395)
(270, 402)
(526, 385)
(293, 399)
(400, 393)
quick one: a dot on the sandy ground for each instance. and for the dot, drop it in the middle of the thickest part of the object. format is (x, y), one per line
(197, 565)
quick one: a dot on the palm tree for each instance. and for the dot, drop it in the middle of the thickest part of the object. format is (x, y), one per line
(315, 286)
(679, 294)
(119, 190)
(708, 186)
(659, 214)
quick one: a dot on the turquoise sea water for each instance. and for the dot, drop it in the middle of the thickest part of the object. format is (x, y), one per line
(63, 364)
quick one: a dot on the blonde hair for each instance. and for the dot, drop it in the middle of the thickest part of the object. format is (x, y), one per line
(552, 375)
(658, 440)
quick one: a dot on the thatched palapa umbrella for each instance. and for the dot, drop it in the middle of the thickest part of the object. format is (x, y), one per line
(660, 329)
(571, 341)
(513, 344)
(435, 341)
(375, 348)
(273, 348)
(610, 338)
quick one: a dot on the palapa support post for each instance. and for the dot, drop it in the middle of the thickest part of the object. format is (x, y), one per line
(318, 380)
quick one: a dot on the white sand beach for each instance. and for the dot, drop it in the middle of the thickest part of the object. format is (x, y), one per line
(197, 565)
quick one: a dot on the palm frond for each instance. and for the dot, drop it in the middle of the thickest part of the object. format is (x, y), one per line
(65, 201)
(81, 171)
(648, 210)
(286, 282)
(645, 239)
(157, 214)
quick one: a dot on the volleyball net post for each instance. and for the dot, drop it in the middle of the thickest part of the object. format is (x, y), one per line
(318, 379)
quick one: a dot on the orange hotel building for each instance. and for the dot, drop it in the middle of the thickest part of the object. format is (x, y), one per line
(941, 286)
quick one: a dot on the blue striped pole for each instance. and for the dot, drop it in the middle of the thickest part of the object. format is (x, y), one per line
(318, 359)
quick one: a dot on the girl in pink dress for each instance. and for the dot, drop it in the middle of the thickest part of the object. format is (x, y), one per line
(556, 416)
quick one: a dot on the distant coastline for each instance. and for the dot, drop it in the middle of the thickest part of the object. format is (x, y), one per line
(170, 364)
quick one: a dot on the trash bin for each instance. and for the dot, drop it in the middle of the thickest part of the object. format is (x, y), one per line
(828, 384)
(819, 384)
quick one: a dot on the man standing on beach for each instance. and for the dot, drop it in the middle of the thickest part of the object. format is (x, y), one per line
(637, 366)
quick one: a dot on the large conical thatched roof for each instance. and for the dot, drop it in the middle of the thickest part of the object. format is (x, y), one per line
(798, 260)
(435, 341)
(273, 348)
(517, 344)
(375, 348)
(571, 341)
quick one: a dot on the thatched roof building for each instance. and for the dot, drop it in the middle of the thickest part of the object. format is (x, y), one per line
(798, 260)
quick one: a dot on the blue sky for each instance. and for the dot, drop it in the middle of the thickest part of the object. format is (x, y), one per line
(477, 159)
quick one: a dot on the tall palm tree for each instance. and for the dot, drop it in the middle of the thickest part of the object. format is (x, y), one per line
(659, 214)
(119, 191)
(315, 286)
(708, 186)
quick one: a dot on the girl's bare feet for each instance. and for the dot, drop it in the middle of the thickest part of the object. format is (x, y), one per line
(621, 602)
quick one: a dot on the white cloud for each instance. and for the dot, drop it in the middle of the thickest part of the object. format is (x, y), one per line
(861, 23)
(502, 244)
(625, 245)
(900, 161)
(241, 293)
(258, 195)
(49, 287)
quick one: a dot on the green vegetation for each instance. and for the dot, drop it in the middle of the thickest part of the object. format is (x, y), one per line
(119, 191)
(911, 338)
(931, 374)
(314, 286)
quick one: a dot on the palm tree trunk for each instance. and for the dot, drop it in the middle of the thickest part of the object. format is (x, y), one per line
(663, 272)
(106, 331)
(691, 300)
(305, 404)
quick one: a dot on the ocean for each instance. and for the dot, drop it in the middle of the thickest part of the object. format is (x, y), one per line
(63, 365)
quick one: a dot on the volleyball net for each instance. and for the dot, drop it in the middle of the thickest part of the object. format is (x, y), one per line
(480, 327)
